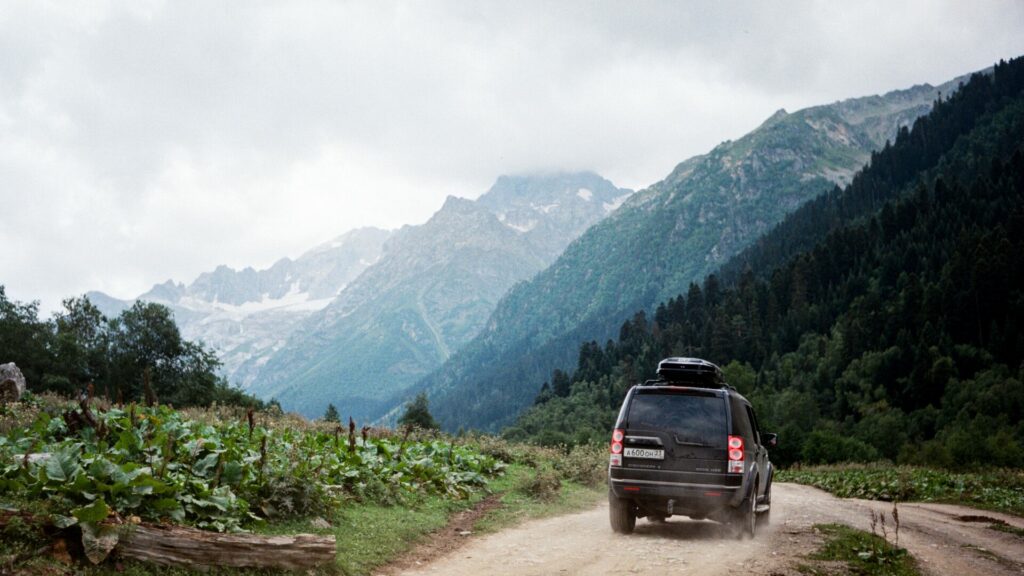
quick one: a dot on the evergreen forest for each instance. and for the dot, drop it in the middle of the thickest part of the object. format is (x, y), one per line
(880, 321)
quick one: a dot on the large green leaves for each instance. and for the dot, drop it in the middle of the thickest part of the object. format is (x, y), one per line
(94, 512)
(157, 464)
(62, 466)
(98, 540)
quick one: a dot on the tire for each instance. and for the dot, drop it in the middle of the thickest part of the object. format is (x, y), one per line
(746, 516)
(621, 514)
(765, 518)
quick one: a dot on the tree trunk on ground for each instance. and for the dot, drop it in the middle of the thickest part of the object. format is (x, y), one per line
(188, 547)
(200, 549)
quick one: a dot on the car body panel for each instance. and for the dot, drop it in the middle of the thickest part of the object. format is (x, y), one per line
(690, 419)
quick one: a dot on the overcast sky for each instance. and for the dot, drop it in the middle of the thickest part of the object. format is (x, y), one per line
(147, 140)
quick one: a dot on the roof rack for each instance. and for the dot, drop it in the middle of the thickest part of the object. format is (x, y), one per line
(660, 382)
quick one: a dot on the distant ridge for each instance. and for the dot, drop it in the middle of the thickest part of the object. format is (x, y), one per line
(664, 237)
(432, 290)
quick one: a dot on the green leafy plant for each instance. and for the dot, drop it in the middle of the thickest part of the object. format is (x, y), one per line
(862, 552)
(222, 474)
(999, 489)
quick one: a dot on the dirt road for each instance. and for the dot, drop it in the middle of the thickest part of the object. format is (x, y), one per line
(945, 539)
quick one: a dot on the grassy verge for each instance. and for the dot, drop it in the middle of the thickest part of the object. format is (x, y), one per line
(1001, 490)
(861, 552)
(370, 535)
(526, 493)
(536, 482)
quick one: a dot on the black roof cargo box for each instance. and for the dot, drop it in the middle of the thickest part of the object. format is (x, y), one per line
(691, 372)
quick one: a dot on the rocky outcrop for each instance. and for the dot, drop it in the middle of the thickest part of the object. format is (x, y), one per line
(12, 383)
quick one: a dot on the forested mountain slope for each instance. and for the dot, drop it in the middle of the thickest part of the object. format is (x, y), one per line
(662, 238)
(882, 320)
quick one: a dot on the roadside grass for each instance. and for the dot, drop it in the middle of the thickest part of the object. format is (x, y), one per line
(1001, 490)
(525, 497)
(1004, 527)
(861, 552)
(536, 482)
(371, 535)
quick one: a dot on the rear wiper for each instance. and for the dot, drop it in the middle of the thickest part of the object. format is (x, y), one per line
(689, 443)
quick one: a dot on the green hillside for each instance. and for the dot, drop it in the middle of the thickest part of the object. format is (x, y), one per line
(882, 320)
(678, 230)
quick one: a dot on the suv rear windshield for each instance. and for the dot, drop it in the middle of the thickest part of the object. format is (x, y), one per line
(692, 418)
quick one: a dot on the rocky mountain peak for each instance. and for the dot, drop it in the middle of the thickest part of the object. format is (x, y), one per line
(169, 291)
(540, 191)
(431, 291)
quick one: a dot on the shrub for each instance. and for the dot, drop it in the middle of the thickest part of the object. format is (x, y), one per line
(587, 464)
(828, 447)
(543, 485)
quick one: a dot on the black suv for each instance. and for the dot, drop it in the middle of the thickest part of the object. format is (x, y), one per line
(689, 444)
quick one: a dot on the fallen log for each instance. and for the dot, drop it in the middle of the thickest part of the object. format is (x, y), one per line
(200, 549)
(192, 548)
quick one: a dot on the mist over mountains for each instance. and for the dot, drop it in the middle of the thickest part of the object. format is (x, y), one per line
(246, 315)
(479, 304)
(664, 237)
(373, 311)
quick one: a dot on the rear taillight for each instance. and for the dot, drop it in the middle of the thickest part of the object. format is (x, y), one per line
(616, 448)
(735, 455)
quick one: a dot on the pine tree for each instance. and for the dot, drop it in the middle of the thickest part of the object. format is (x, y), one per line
(417, 413)
(331, 415)
(560, 383)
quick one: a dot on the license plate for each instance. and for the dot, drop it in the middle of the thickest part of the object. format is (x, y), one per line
(648, 453)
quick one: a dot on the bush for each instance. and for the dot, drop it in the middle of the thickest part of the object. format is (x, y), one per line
(828, 447)
(543, 485)
(932, 453)
(585, 464)
(286, 496)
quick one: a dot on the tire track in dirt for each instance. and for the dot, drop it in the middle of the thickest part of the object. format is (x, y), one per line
(946, 539)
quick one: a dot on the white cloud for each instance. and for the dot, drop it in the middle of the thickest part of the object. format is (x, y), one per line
(146, 140)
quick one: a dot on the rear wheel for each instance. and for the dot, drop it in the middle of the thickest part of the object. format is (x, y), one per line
(746, 516)
(765, 518)
(621, 514)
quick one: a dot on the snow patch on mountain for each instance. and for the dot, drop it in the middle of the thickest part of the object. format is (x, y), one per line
(586, 194)
(614, 204)
(545, 208)
(293, 301)
(525, 227)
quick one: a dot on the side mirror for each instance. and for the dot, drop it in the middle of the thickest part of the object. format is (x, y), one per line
(771, 439)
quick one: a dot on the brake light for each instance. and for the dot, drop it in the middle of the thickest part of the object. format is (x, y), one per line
(616, 447)
(736, 455)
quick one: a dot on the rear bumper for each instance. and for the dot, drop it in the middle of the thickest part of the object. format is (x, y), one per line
(692, 493)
